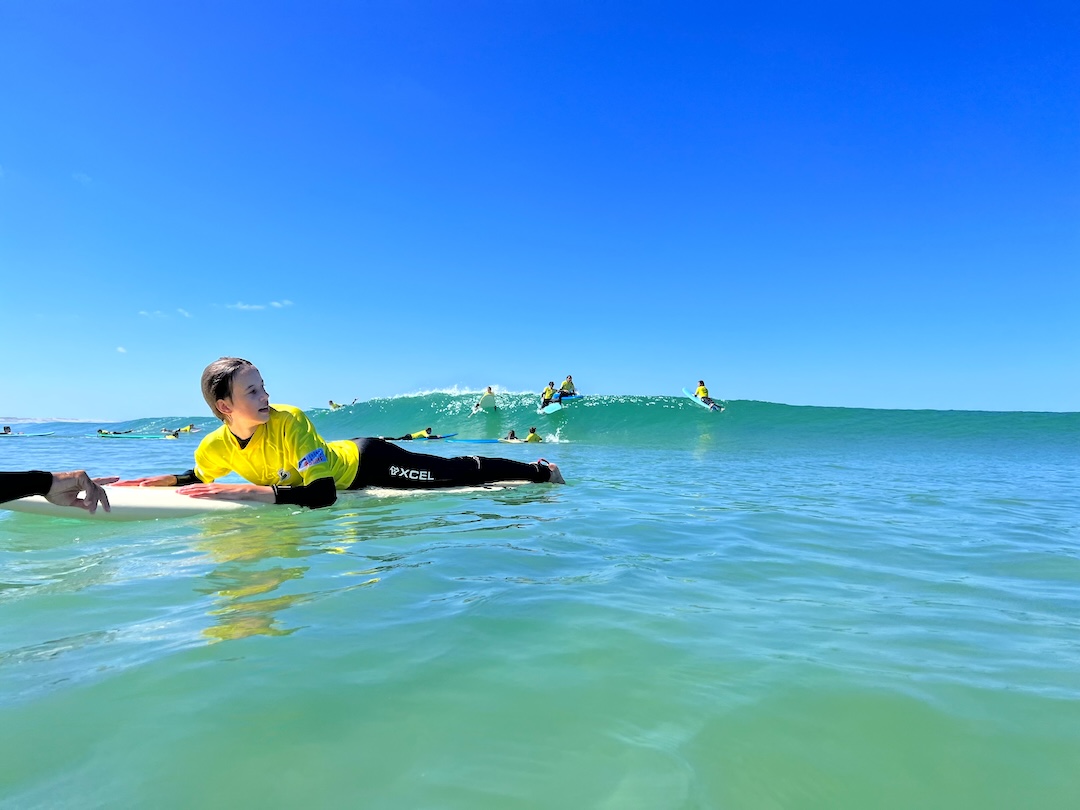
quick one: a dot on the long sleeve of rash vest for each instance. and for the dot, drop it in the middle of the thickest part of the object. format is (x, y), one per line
(20, 484)
(320, 492)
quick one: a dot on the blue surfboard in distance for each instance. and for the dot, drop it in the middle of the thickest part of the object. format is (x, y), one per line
(131, 436)
(552, 407)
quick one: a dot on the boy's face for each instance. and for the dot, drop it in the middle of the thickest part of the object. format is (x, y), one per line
(249, 403)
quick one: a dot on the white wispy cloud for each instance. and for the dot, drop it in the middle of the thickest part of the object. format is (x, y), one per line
(157, 313)
(121, 349)
(80, 177)
(240, 305)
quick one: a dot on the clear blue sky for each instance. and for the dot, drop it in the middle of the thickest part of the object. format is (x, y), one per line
(821, 204)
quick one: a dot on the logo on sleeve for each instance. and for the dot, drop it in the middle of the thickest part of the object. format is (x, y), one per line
(316, 456)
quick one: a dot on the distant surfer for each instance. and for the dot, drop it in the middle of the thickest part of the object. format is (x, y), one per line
(177, 431)
(278, 449)
(336, 405)
(485, 395)
(702, 393)
(533, 436)
(567, 389)
(512, 437)
(420, 434)
(7, 428)
(114, 432)
(548, 395)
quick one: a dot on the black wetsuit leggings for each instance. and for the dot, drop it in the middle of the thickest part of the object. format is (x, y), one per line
(383, 464)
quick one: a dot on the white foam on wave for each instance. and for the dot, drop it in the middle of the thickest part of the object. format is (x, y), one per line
(454, 391)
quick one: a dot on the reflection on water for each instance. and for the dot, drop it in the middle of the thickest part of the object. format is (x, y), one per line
(242, 582)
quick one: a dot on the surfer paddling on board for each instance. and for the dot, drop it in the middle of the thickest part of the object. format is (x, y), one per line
(185, 429)
(420, 434)
(63, 488)
(702, 393)
(278, 449)
(533, 436)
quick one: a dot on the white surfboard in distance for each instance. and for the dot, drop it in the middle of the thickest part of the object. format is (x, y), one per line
(486, 403)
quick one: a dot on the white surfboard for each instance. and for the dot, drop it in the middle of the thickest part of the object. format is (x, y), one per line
(388, 492)
(152, 503)
(486, 403)
(133, 503)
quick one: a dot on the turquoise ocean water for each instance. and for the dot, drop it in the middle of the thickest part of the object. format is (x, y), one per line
(770, 607)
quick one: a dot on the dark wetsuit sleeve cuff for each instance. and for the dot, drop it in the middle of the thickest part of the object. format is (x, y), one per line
(320, 492)
(20, 484)
(189, 477)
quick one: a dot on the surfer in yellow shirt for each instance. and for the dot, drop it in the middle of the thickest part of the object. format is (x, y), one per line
(487, 393)
(420, 434)
(177, 431)
(533, 436)
(567, 389)
(702, 393)
(278, 449)
(547, 395)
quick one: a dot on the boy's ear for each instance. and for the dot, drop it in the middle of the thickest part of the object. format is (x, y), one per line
(223, 406)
